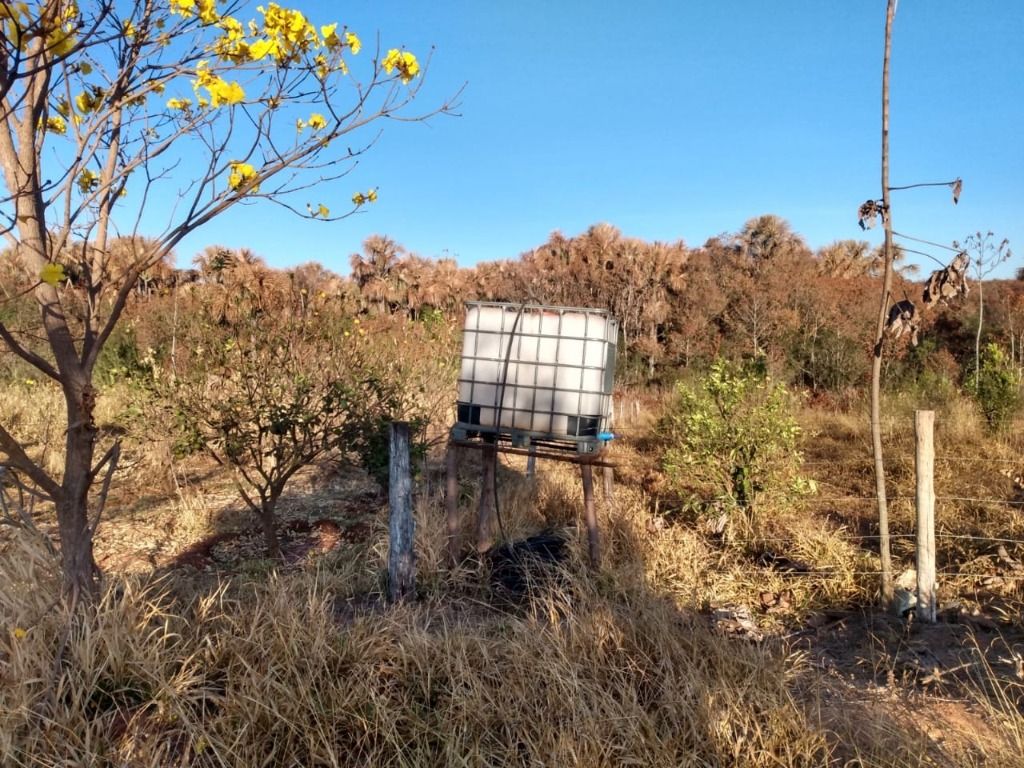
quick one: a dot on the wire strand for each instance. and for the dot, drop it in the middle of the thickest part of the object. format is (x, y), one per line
(924, 184)
(927, 242)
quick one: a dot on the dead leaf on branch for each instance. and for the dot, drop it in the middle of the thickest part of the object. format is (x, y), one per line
(949, 283)
(903, 320)
(869, 210)
(958, 187)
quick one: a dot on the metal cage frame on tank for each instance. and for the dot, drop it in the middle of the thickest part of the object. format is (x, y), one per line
(537, 375)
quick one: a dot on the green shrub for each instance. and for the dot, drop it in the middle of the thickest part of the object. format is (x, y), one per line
(996, 387)
(827, 361)
(733, 438)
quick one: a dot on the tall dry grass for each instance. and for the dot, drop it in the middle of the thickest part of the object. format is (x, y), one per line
(274, 673)
(616, 667)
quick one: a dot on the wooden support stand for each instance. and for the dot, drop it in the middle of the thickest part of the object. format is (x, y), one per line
(451, 501)
(486, 511)
(590, 514)
(488, 488)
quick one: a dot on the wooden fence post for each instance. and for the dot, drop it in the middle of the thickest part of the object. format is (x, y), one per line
(531, 462)
(924, 428)
(590, 514)
(451, 501)
(401, 525)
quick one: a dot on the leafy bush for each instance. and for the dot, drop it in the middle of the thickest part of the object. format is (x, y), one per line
(267, 394)
(734, 436)
(996, 387)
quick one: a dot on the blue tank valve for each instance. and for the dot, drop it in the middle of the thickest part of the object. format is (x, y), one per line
(605, 436)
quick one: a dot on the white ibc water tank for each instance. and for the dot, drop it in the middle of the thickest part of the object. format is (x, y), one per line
(538, 371)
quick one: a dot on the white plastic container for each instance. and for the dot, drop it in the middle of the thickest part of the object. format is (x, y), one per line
(537, 371)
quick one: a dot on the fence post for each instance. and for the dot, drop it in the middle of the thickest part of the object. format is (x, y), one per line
(924, 428)
(401, 525)
(531, 462)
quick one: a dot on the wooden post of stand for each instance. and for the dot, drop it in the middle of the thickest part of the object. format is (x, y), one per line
(401, 525)
(609, 487)
(924, 425)
(484, 533)
(590, 514)
(451, 501)
(531, 463)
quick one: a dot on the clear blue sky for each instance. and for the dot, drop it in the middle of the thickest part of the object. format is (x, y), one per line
(674, 120)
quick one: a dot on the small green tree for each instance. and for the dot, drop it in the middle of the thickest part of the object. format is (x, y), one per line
(996, 387)
(268, 394)
(734, 435)
(986, 256)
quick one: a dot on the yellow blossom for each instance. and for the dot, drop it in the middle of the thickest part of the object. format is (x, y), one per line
(128, 29)
(322, 67)
(403, 61)
(358, 198)
(290, 30)
(186, 8)
(222, 92)
(182, 104)
(63, 107)
(51, 274)
(232, 28)
(323, 211)
(90, 100)
(233, 45)
(87, 181)
(372, 195)
(61, 39)
(208, 11)
(241, 173)
(85, 68)
(56, 124)
(317, 122)
(263, 48)
(329, 32)
(353, 42)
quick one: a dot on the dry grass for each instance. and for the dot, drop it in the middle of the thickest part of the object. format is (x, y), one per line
(274, 674)
(306, 666)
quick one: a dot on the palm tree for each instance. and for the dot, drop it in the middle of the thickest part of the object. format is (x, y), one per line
(848, 258)
(767, 238)
(372, 270)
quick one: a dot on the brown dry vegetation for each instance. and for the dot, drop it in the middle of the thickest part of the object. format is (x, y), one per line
(682, 649)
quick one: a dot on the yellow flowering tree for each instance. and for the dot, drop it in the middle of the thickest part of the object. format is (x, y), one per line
(108, 106)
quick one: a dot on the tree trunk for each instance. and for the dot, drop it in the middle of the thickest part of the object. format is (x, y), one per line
(977, 339)
(79, 568)
(268, 523)
(876, 363)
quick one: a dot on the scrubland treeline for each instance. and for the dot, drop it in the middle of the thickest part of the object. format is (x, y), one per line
(758, 293)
